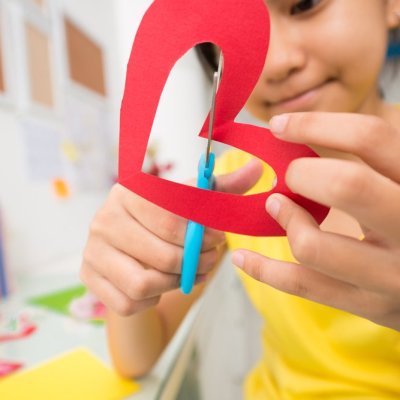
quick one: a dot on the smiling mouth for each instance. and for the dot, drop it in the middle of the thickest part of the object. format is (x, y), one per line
(299, 96)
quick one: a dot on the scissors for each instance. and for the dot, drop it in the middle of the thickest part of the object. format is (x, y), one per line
(205, 180)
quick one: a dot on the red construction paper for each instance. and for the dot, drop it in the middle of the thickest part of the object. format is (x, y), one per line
(168, 30)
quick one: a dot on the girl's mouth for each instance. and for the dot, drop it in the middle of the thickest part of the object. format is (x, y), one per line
(302, 100)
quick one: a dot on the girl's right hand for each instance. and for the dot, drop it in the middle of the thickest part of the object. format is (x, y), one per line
(134, 250)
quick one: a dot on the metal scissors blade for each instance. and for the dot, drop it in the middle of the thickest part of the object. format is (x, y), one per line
(205, 180)
(216, 81)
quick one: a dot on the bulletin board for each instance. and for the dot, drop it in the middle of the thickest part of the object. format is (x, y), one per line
(39, 66)
(35, 57)
(85, 59)
(40, 3)
(87, 146)
(58, 73)
(8, 73)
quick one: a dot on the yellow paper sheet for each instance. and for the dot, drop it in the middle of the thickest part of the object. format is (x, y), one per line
(77, 375)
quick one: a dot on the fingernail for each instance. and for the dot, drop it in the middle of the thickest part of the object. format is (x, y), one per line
(273, 206)
(278, 123)
(238, 259)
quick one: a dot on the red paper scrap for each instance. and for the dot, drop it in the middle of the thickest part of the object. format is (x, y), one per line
(25, 331)
(7, 368)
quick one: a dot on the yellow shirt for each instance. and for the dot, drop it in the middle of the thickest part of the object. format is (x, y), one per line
(311, 351)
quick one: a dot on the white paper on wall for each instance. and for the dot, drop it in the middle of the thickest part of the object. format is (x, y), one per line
(42, 144)
(88, 133)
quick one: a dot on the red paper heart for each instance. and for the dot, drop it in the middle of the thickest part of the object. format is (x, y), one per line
(168, 30)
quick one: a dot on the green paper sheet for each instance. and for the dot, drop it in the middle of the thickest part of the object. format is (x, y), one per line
(59, 301)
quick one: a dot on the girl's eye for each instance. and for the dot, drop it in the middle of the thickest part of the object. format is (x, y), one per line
(303, 6)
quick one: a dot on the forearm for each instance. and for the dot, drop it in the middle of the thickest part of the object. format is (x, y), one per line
(135, 342)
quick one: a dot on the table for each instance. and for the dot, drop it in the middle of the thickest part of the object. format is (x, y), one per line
(59, 333)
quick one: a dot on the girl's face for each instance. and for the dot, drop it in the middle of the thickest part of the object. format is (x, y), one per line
(324, 55)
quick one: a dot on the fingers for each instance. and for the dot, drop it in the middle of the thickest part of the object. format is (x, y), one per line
(355, 262)
(163, 224)
(241, 180)
(351, 187)
(127, 265)
(127, 274)
(369, 137)
(131, 238)
(306, 283)
(111, 296)
(124, 285)
(299, 281)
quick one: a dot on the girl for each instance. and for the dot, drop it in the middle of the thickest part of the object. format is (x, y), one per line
(320, 87)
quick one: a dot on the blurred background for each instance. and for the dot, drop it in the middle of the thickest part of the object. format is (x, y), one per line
(63, 66)
(62, 74)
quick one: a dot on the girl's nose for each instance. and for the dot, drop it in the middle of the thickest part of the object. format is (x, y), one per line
(286, 54)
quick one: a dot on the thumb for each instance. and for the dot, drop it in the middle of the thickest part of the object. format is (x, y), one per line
(241, 180)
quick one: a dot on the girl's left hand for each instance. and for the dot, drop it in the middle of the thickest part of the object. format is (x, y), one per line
(358, 276)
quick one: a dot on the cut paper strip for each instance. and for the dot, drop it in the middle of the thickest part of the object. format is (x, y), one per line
(16, 327)
(7, 368)
(24, 332)
(77, 375)
(168, 30)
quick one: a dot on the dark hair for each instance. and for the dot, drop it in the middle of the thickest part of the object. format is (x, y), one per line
(393, 52)
(207, 55)
(394, 44)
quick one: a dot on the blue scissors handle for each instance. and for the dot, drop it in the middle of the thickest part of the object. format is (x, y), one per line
(194, 231)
